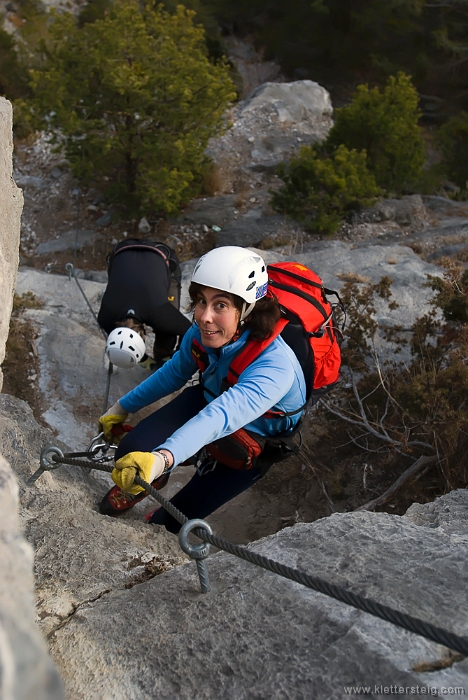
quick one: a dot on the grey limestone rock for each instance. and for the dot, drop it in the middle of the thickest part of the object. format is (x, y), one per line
(409, 211)
(210, 211)
(450, 513)
(70, 240)
(80, 555)
(26, 670)
(11, 205)
(258, 635)
(292, 102)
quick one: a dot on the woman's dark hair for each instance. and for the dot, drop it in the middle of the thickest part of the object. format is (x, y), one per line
(262, 319)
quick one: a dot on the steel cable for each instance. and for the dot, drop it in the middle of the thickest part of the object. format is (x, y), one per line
(413, 624)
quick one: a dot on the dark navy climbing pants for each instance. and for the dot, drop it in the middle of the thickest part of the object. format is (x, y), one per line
(204, 493)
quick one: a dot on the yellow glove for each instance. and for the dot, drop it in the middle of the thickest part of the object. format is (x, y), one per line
(115, 415)
(148, 465)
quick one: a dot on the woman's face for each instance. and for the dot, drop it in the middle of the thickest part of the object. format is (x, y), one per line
(217, 317)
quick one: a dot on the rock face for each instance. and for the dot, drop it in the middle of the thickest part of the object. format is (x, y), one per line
(11, 205)
(118, 630)
(80, 555)
(268, 127)
(257, 635)
(293, 102)
(26, 670)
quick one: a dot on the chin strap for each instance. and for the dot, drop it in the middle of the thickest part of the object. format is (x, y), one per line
(246, 309)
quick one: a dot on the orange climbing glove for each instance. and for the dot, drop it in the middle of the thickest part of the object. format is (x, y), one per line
(148, 465)
(114, 416)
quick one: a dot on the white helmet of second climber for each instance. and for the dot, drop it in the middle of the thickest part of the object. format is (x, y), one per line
(233, 269)
(125, 347)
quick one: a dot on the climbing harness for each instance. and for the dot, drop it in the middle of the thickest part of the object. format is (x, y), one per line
(99, 458)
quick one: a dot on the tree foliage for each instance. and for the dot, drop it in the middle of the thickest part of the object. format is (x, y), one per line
(320, 190)
(341, 43)
(385, 125)
(135, 99)
(375, 145)
(329, 35)
(453, 142)
(13, 80)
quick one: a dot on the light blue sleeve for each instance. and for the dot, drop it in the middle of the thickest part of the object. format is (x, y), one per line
(261, 386)
(173, 375)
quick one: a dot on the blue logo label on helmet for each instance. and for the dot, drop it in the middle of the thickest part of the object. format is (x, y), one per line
(261, 291)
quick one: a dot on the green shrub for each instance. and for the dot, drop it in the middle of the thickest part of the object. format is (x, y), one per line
(385, 125)
(320, 190)
(13, 77)
(134, 98)
(453, 142)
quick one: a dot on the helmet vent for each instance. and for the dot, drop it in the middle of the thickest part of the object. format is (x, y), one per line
(252, 274)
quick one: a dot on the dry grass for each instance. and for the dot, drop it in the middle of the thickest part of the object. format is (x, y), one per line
(212, 181)
(353, 277)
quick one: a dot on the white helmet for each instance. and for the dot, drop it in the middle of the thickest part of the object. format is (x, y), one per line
(236, 270)
(125, 347)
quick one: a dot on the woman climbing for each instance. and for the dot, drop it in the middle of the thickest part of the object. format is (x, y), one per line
(232, 309)
(143, 289)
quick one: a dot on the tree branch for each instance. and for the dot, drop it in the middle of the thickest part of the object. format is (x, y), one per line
(403, 479)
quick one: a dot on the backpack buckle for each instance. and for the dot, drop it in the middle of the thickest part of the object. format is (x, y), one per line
(205, 463)
(318, 334)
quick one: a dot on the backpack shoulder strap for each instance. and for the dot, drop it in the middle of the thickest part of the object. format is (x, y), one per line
(155, 247)
(250, 353)
(200, 355)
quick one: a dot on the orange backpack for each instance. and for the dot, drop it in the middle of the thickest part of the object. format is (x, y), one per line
(311, 330)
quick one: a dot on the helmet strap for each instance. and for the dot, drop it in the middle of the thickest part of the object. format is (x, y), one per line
(246, 309)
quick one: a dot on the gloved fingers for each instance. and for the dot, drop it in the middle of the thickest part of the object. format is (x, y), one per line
(107, 422)
(125, 478)
(148, 465)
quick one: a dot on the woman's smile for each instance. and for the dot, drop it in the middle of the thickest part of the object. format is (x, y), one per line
(216, 316)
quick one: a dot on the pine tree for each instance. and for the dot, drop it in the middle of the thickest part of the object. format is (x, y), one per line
(134, 98)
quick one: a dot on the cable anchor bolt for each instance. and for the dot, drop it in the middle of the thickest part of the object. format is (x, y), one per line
(69, 268)
(198, 552)
(47, 464)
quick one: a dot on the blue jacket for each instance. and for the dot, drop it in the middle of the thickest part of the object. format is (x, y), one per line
(273, 381)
